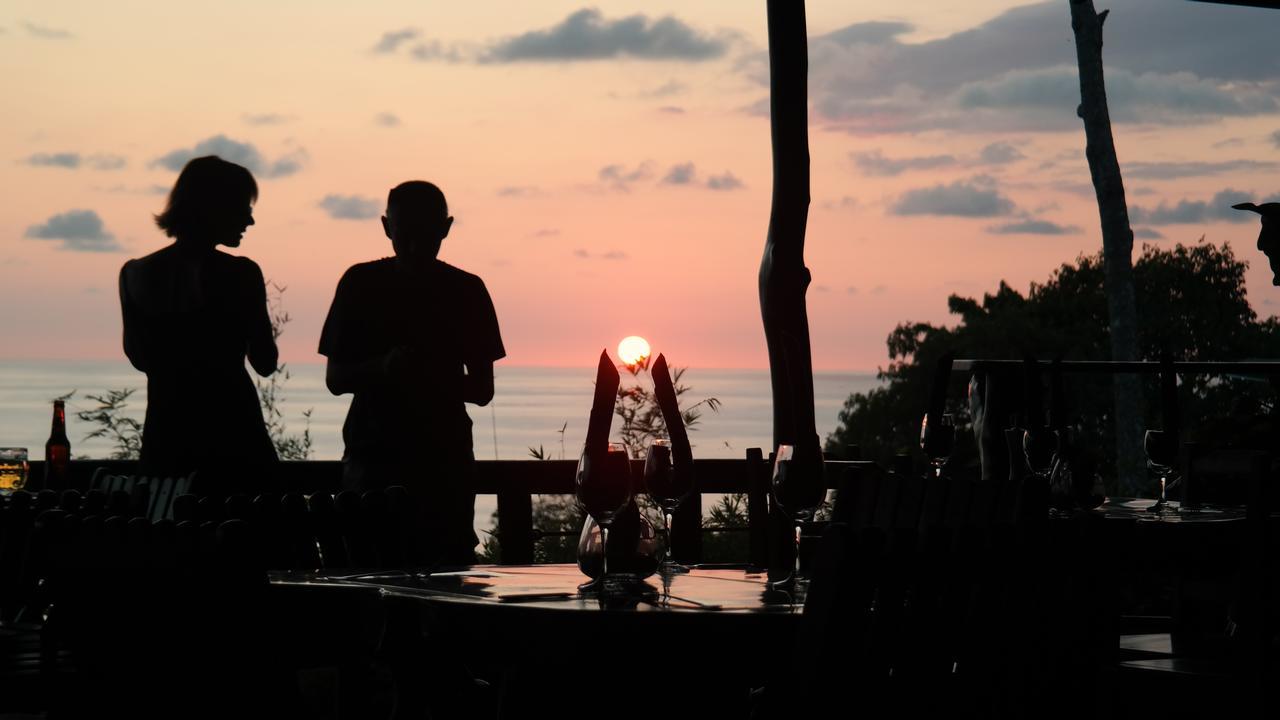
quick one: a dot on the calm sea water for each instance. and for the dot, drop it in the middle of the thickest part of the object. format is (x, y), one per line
(530, 407)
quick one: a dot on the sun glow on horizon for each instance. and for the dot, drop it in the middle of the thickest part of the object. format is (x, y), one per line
(633, 350)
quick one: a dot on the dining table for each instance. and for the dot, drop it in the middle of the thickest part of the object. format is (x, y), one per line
(714, 632)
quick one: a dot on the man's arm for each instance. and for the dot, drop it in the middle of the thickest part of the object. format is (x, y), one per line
(477, 384)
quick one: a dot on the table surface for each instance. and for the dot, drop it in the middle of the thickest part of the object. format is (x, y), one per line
(1137, 509)
(720, 590)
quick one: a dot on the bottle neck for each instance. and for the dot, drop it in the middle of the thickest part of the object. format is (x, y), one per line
(59, 430)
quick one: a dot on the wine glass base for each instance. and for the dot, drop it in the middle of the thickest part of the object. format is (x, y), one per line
(611, 584)
(671, 568)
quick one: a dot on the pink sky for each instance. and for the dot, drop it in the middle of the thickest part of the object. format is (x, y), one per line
(626, 192)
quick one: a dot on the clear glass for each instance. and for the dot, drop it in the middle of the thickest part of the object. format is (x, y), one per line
(14, 469)
(603, 490)
(938, 441)
(1162, 454)
(798, 490)
(668, 489)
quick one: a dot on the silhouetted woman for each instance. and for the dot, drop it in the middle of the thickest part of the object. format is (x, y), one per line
(191, 315)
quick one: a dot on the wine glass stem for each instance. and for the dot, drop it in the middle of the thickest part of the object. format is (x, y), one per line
(604, 551)
(670, 554)
(796, 576)
(1162, 485)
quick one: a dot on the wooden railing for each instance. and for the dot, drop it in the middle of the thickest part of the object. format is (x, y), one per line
(516, 482)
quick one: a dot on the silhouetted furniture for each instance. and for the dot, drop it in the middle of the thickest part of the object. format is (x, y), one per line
(151, 498)
(1238, 672)
(529, 624)
(944, 595)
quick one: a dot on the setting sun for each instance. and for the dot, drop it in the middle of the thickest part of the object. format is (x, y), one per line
(633, 350)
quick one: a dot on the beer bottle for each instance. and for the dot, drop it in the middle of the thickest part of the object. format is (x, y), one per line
(57, 452)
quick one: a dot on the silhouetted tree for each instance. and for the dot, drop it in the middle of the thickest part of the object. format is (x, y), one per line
(1117, 236)
(1193, 304)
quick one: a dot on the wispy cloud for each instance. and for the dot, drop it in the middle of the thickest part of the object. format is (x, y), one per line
(74, 161)
(350, 207)
(266, 118)
(724, 181)
(583, 35)
(1171, 170)
(619, 177)
(241, 153)
(68, 160)
(1195, 211)
(682, 174)
(999, 153)
(1031, 226)
(976, 197)
(583, 254)
(513, 191)
(393, 39)
(875, 163)
(386, 119)
(78, 231)
(45, 32)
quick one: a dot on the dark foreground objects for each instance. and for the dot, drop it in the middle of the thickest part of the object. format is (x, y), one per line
(192, 314)
(413, 339)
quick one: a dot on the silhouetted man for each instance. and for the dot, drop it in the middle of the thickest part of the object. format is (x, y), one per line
(413, 338)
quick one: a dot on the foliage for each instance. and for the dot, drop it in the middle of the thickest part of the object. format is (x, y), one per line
(1192, 305)
(642, 420)
(124, 432)
(112, 422)
(271, 391)
(557, 522)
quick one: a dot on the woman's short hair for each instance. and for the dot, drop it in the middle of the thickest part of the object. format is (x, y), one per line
(206, 187)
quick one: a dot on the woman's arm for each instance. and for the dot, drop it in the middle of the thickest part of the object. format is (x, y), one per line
(132, 337)
(264, 357)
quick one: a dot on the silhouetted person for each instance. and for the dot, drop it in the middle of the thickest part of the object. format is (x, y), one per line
(413, 339)
(192, 314)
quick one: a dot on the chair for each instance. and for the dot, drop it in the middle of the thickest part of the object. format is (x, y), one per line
(148, 497)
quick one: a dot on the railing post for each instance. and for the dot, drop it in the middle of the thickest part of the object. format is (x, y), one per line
(515, 522)
(686, 536)
(757, 508)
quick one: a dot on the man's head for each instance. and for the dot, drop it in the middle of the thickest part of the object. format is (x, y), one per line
(1269, 238)
(417, 221)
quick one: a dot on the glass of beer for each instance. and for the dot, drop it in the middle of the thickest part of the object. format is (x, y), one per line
(13, 469)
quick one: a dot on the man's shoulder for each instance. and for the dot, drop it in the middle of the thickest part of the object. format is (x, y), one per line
(373, 270)
(458, 275)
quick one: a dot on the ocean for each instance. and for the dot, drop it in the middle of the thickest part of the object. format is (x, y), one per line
(530, 407)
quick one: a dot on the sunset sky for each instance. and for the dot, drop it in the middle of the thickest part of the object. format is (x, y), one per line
(608, 163)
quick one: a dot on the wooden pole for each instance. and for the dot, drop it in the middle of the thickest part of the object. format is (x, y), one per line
(784, 279)
(1117, 241)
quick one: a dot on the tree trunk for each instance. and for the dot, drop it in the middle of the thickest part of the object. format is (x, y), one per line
(1117, 241)
(784, 278)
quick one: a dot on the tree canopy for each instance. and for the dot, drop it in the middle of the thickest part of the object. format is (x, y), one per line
(1192, 305)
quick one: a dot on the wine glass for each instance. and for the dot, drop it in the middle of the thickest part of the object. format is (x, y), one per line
(938, 440)
(798, 490)
(668, 487)
(1040, 445)
(604, 490)
(1162, 453)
